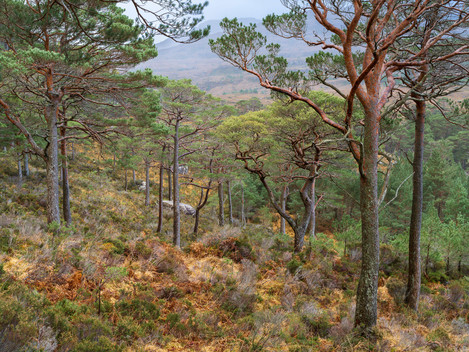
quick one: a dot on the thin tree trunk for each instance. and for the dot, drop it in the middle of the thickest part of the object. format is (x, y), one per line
(20, 170)
(367, 292)
(414, 274)
(176, 210)
(447, 271)
(230, 204)
(134, 178)
(299, 225)
(202, 202)
(243, 215)
(170, 183)
(283, 204)
(160, 199)
(52, 164)
(312, 226)
(126, 181)
(196, 222)
(221, 205)
(197, 214)
(65, 181)
(26, 165)
(147, 183)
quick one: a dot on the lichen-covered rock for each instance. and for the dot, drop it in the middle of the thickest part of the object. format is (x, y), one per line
(185, 208)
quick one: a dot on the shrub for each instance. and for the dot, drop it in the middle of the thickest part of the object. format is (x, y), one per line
(293, 265)
(138, 309)
(396, 289)
(91, 328)
(103, 344)
(237, 249)
(127, 330)
(142, 250)
(118, 246)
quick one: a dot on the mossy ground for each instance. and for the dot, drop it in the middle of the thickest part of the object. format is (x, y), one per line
(110, 282)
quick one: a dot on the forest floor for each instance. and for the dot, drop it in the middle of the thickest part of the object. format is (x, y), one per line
(110, 282)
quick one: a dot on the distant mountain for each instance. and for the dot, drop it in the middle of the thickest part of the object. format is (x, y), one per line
(197, 62)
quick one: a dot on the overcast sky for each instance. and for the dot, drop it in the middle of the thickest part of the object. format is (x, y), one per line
(218, 9)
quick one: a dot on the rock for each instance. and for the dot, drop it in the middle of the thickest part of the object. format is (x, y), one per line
(185, 208)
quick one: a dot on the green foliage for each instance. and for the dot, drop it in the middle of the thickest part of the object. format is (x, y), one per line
(240, 45)
(103, 344)
(115, 273)
(293, 265)
(138, 309)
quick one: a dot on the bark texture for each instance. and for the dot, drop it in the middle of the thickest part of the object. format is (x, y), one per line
(414, 276)
(230, 204)
(26, 165)
(243, 215)
(160, 199)
(147, 183)
(283, 204)
(221, 205)
(65, 180)
(367, 294)
(52, 163)
(176, 210)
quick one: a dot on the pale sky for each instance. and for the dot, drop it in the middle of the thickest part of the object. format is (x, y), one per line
(218, 9)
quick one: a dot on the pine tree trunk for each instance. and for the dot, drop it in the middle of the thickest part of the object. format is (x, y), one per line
(26, 165)
(20, 170)
(176, 210)
(312, 223)
(243, 215)
(202, 202)
(147, 183)
(52, 164)
(65, 181)
(160, 199)
(221, 205)
(126, 183)
(170, 183)
(414, 274)
(447, 271)
(367, 292)
(300, 232)
(196, 222)
(230, 204)
(283, 202)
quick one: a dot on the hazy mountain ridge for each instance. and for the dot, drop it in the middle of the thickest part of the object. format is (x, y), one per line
(197, 62)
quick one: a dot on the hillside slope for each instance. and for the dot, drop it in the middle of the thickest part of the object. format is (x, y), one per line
(111, 283)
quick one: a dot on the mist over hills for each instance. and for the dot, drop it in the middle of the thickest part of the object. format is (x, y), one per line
(197, 62)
